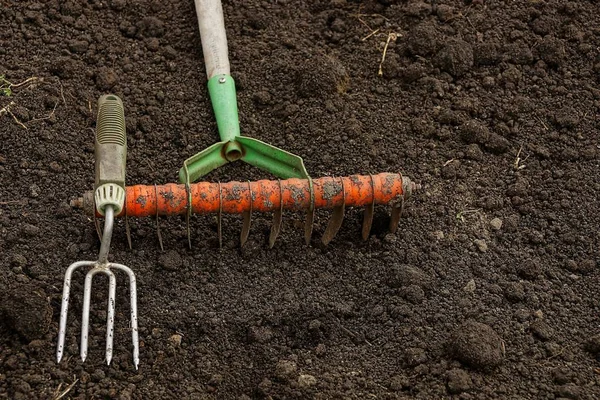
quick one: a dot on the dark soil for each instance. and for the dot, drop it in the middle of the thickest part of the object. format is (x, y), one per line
(490, 289)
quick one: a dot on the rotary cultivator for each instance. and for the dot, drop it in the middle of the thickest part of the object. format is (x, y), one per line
(295, 190)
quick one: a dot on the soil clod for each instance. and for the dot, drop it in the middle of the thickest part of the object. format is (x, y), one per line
(477, 345)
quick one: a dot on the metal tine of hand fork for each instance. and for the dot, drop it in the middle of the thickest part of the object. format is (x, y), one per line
(100, 266)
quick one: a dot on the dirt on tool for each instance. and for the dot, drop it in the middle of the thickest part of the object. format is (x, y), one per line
(489, 289)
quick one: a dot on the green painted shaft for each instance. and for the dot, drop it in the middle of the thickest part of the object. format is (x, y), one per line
(221, 89)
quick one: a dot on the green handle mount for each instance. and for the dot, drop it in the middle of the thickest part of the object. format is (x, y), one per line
(233, 146)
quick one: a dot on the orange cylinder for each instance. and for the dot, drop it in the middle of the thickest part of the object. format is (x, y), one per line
(264, 195)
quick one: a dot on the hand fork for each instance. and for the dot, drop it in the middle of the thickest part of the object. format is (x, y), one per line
(110, 153)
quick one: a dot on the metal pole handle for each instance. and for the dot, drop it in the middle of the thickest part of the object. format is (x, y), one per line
(213, 36)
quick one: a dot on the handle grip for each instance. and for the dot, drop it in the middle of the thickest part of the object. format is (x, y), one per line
(110, 153)
(213, 36)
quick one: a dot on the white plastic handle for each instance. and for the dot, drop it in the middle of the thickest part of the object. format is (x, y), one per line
(214, 39)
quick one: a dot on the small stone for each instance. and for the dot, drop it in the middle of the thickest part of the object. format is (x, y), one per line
(477, 345)
(175, 340)
(34, 190)
(496, 224)
(458, 381)
(439, 235)
(541, 330)
(170, 261)
(481, 245)
(285, 370)
(106, 78)
(305, 381)
(390, 238)
(470, 286)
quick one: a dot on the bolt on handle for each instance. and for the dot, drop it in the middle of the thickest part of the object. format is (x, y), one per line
(110, 153)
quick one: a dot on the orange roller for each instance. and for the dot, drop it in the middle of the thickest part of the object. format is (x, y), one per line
(264, 195)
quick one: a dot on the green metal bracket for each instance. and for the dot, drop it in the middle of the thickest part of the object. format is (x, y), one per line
(233, 146)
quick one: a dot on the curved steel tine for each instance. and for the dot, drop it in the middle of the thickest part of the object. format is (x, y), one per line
(87, 296)
(310, 214)
(220, 218)
(134, 313)
(128, 232)
(160, 241)
(97, 225)
(368, 213)
(127, 228)
(335, 222)
(187, 214)
(396, 214)
(64, 309)
(277, 219)
(247, 219)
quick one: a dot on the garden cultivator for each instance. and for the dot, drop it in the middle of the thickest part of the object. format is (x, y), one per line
(293, 191)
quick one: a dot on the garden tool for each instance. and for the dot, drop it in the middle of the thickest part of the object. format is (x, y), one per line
(295, 190)
(110, 154)
(233, 146)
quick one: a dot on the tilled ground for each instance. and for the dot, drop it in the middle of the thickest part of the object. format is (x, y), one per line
(490, 288)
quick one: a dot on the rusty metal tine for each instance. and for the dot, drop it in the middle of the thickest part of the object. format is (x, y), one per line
(334, 224)
(97, 225)
(247, 217)
(277, 219)
(310, 214)
(188, 213)
(127, 229)
(220, 217)
(368, 213)
(160, 241)
(396, 214)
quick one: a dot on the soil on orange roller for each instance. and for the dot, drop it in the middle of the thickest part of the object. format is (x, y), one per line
(489, 289)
